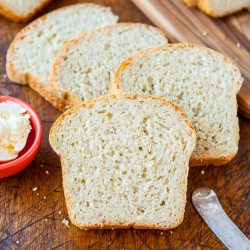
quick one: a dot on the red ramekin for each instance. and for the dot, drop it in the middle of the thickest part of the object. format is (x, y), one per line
(32, 145)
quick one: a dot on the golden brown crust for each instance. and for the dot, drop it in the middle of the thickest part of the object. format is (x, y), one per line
(90, 104)
(39, 87)
(216, 161)
(10, 14)
(26, 78)
(205, 6)
(125, 226)
(69, 99)
(72, 100)
(115, 87)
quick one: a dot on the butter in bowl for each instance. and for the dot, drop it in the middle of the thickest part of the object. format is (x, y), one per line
(20, 135)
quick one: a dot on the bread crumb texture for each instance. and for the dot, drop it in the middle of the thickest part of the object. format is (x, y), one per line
(202, 81)
(86, 65)
(34, 49)
(124, 162)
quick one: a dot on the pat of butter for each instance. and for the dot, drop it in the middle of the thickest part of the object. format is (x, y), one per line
(14, 129)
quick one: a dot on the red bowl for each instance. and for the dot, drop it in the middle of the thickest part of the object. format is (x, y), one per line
(32, 145)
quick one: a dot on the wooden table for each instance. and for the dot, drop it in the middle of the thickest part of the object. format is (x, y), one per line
(33, 220)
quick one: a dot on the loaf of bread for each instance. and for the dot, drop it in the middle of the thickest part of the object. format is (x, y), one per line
(86, 64)
(21, 10)
(219, 8)
(202, 81)
(34, 49)
(124, 161)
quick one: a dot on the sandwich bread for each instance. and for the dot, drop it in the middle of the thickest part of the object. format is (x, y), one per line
(124, 161)
(202, 81)
(86, 65)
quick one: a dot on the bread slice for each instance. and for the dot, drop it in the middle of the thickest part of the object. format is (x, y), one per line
(218, 8)
(124, 161)
(34, 49)
(202, 81)
(21, 10)
(86, 64)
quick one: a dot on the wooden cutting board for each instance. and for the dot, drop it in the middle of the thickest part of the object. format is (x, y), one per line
(33, 220)
(230, 35)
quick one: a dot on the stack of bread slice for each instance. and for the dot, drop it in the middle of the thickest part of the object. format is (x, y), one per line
(202, 81)
(34, 49)
(86, 65)
(125, 151)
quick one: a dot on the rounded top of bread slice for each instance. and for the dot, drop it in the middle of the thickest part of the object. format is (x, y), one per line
(86, 64)
(202, 81)
(124, 161)
(35, 47)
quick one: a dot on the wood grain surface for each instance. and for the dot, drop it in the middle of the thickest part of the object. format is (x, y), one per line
(227, 35)
(33, 220)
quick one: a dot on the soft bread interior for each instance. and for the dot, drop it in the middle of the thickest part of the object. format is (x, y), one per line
(87, 64)
(125, 162)
(34, 49)
(203, 82)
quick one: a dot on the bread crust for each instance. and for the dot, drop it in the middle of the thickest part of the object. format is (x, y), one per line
(115, 87)
(216, 161)
(12, 15)
(205, 6)
(14, 75)
(115, 84)
(90, 104)
(71, 100)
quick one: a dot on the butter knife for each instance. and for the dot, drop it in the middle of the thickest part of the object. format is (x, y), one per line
(208, 206)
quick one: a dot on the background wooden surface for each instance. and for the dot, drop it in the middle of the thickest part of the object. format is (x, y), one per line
(33, 220)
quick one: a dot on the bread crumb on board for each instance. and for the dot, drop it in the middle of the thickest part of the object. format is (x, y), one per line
(238, 45)
(202, 172)
(34, 189)
(47, 172)
(65, 222)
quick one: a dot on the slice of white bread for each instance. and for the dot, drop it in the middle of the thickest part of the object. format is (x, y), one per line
(86, 64)
(34, 49)
(21, 10)
(124, 161)
(219, 8)
(202, 81)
